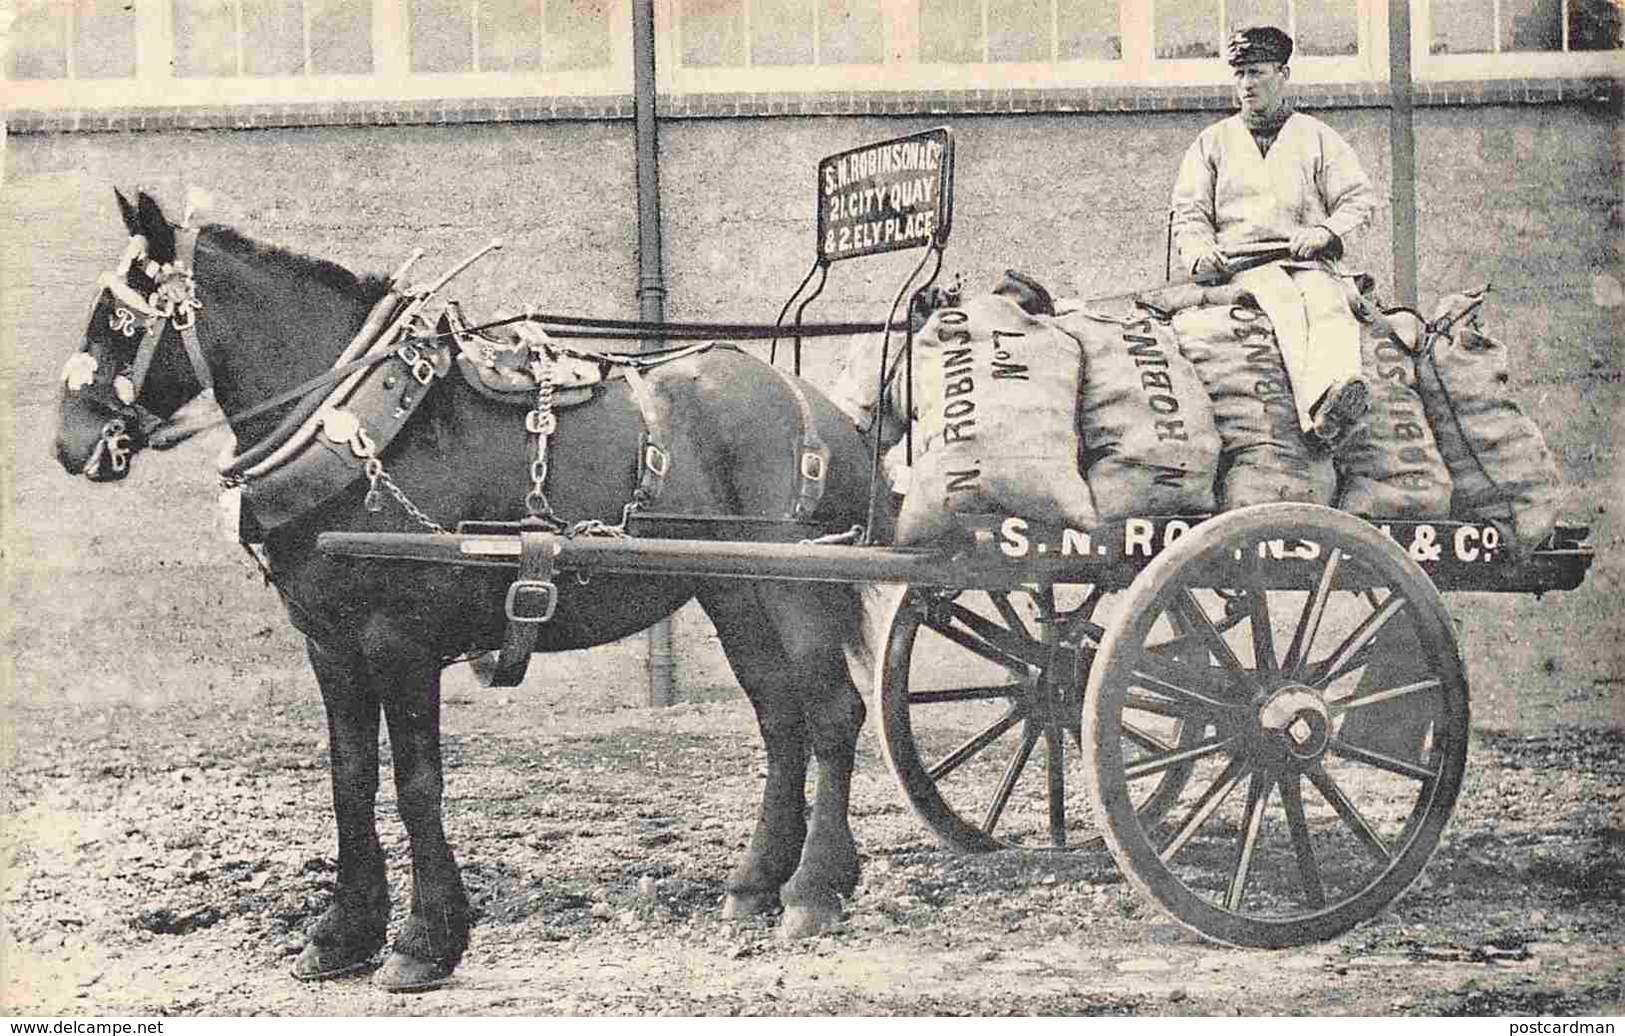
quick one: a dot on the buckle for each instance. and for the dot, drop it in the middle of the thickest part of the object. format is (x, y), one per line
(422, 370)
(814, 465)
(520, 598)
(656, 460)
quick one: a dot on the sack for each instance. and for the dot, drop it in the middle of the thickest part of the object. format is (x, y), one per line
(1498, 460)
(1391, 467)
(1264, 458)
(1149, 446)
(997, 401)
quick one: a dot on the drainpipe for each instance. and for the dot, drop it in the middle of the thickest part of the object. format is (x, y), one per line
(651, 277)
(1402, 149)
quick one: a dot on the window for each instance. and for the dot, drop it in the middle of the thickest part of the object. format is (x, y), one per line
(1319, 28)
(779, 33)
(1513, 26)
(83, 39)
(1016, 31)
(523, 36)
(227, 38)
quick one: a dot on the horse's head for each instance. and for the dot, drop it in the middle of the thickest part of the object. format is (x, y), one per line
(133, 370)
(874, 401)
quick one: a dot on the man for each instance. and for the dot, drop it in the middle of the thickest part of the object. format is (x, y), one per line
(1267, 174)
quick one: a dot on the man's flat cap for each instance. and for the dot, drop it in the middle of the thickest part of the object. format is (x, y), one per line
(1259, 43)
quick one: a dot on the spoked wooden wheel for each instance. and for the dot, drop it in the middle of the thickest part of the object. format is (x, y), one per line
(1269, 630)
(980, 697)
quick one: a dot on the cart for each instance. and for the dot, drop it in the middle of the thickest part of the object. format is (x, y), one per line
(1263, 713)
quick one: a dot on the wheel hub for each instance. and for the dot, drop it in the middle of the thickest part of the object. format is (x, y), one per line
(1294, 718)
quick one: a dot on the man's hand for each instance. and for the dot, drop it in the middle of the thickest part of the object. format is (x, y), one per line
(1310, 242)
(1212, 268)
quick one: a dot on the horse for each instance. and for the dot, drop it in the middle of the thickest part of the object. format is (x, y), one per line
(267, 320)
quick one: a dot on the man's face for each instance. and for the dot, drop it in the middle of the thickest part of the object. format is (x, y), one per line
(1259, 85)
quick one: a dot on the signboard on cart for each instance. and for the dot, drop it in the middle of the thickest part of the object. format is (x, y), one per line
(886, 197)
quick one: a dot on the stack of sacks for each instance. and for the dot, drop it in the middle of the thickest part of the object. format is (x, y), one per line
(1391, 467)
(998, 392)
(1149, 445)
(1264, 457)
(1498, 460)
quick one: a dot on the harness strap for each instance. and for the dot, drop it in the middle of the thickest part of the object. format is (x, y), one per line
(812, 456)
(654, 446)
(531, 599)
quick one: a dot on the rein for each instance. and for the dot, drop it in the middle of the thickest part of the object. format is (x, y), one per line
(553, 325)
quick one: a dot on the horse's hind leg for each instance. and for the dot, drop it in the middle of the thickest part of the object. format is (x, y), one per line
(753, 651)
(792, 665)
(814, 621)
(345, 938)
(432, 941)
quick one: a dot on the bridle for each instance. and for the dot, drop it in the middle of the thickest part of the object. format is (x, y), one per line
(173, 303)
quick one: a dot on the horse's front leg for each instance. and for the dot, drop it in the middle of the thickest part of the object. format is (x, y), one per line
(346, 938)
(434, 937)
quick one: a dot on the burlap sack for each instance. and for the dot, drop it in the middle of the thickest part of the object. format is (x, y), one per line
(1149, 445)
(1264, 458)
(1391, 467)
(1499, 463)
(997, 399)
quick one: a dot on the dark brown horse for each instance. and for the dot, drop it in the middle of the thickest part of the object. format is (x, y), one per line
(379, 633)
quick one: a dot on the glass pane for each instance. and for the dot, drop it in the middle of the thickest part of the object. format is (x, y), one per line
(1327, 27)
(442, 35)
(950, 30)
(1243, 14)
(713, 33)
(205, 38)
(104, 39)
(1595, 25)
(1531, 25)
(577, 34)
(340, 36)
(1090, 29)
(273, 37)
(851, 33)
(1463, 27)
(510, 35)
(1018, 30)
(39, 42)
(781, 32)
(1186, 28)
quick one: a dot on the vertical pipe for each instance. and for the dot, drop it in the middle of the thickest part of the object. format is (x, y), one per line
(651, 277)
(1402, 148)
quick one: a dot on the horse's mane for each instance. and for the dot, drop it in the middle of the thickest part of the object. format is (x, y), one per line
(368, 288)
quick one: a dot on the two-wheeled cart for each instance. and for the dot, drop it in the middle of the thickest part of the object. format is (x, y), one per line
(1268, 705)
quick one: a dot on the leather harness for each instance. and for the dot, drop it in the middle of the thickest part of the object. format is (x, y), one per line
(329, 441)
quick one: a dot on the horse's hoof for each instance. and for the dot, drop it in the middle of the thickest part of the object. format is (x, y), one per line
(313, 967)
(739, 905)
(405, 974)
(804, 922)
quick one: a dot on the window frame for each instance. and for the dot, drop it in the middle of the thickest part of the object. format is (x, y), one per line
(391, 81)
(902, 70)
(391, 78)
(1506, 64)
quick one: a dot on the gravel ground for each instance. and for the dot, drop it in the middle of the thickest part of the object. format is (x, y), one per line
(165, 859)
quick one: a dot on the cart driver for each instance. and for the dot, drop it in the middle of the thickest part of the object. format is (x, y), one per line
(1270, 173)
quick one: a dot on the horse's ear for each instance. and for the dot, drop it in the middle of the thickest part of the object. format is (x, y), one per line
(160, 235)
(132, 221)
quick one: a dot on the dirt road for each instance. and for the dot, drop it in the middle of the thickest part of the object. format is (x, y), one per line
(164, 859)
